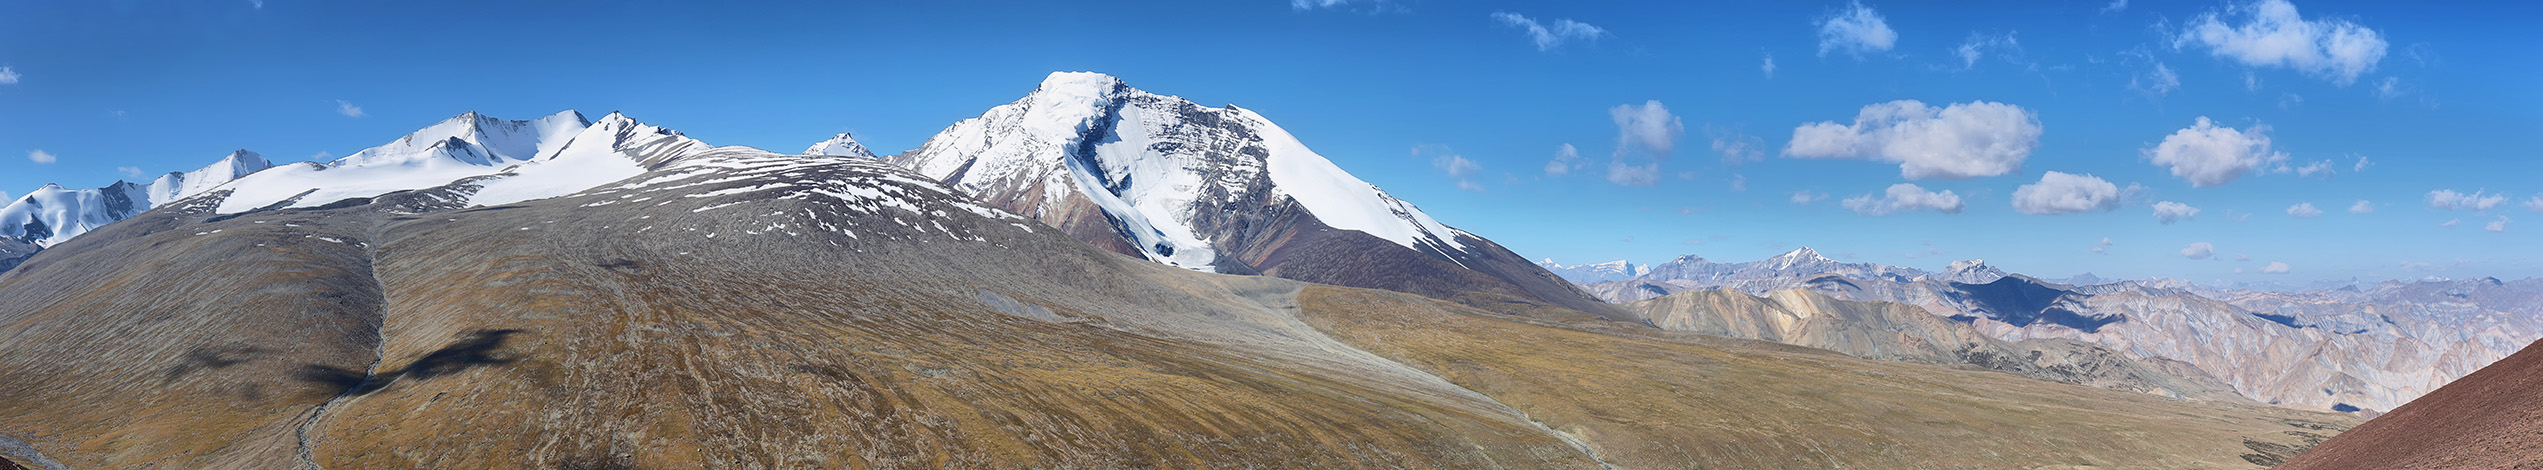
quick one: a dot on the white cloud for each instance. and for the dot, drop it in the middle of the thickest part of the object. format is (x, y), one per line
(8, 76)
(2242, 257)
(2362, 207)
(1649, 128)
(2318, 168)
(2271, 34)
(2389, 88)
(1769, 66)
(2275, 268)
(2361, 165)
(129, 171)
(2497, 226)
(2168, 212)
(2208, 155)
(1904, 197)
(2448, 199)
(1963, 140)
(2200, 250)
(259, 4)
(2305, 209)
(1547, 37)
(1367, 6)
(1856, 30)
(2102, 248)
(2115, 6)
(1806, 197)
(1737, 148)
(2062, 193)
(347, 109)
(2158, 82)
(1448, 161)
(41, 156)
(1976, 46)
(1565, 159)
(2535, 204)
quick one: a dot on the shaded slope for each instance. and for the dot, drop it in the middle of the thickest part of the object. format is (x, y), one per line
(2490, 419)
(1668, 401)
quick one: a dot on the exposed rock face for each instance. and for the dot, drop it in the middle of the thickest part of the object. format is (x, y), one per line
(1222, 190)
(2492, 418)
(2345, 349)
(1898, 332)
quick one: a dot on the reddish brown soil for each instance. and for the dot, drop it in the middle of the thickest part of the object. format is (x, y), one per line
(2490, 419)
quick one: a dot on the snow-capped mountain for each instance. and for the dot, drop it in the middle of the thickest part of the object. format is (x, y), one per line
(53, 214)
(1211, 189)
(1593, 273)
(843, 145)
(501, 162)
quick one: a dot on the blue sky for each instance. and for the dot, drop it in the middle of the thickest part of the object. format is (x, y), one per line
(1462, 107)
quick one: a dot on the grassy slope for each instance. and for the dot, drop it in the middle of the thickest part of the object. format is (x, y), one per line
(1660, 402)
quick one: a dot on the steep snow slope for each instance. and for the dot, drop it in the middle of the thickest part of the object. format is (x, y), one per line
(1217, 189)
(52, 214)
(508, 161)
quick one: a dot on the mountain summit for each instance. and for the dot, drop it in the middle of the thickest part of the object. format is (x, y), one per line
(1215, 189)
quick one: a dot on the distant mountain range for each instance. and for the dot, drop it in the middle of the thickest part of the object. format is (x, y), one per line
(2347, 349)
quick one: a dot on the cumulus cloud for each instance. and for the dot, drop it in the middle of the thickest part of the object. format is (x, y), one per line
(2361, 165)
(1769, 66)
(1550, 36)
(2102, 248)
(2062, 193)
(1962, 140)
(1855, 30)
(2448, 199)
(1649, 128)
(2199, 250)
(2115, 6)
(347, 109)
(2270, 33)
(2497, 226)
(2535, 204)
(2208, 155)
(1806, 197)
(2318, 168)
(2275, 268)
(2168, 212)
(41, 156)
(8, 76)
(1565, 159)
(2362, 207)
(1904, 197)
(2305, 209)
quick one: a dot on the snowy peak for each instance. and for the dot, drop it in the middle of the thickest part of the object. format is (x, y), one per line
(842, 145)
(1160, 168)
(477, 138)
(175, 185)
(1803, 257)
(1974, 271)
(506, 161)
